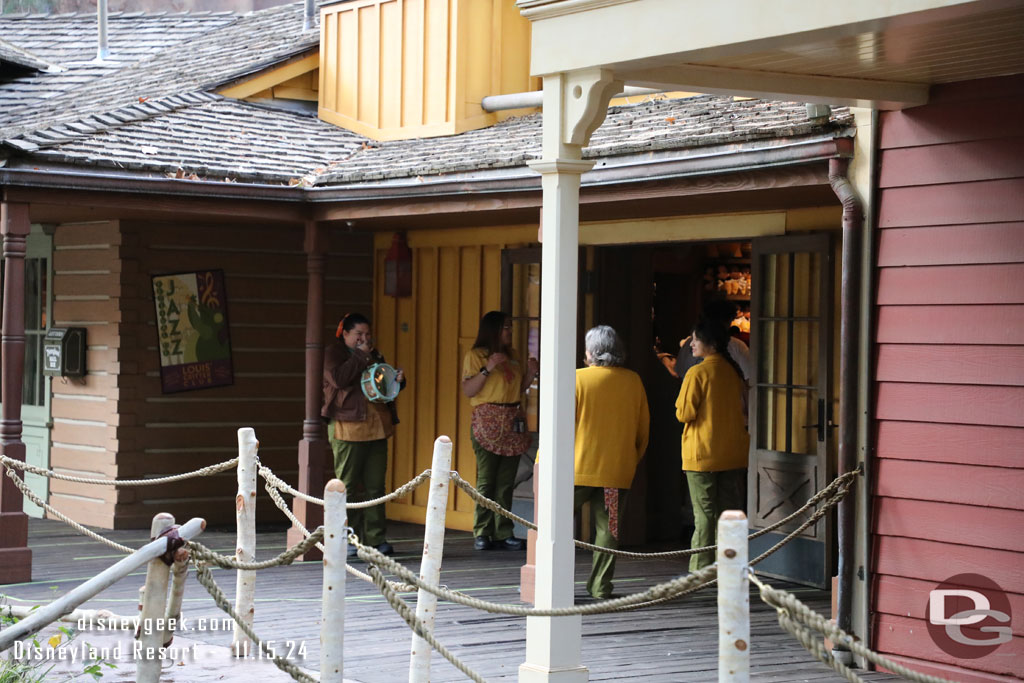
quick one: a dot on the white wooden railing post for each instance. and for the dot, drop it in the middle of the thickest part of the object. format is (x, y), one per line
(733, 599)
(154, 606)
(332, 623)
(433, 549)
(105, 579)
(245, 530)
(179, 572)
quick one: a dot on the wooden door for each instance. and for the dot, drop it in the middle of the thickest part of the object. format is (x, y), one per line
(791, 401)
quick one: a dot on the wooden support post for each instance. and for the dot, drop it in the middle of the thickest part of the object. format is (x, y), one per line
(733, 599)
(433, 549)
(105, 579)
(245, 530)
(154, 606)
(332, 624)
(179, 572)
(15, 556)
(314, 451)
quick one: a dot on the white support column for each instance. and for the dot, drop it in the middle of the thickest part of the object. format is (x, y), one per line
(245, 533)
(154, 606)
(433, 549)
(733, 599)
(574, 105)
(332, 624)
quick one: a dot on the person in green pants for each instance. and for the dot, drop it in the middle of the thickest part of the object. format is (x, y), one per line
(494, 380)
(612, 429)
(715, 438)
(358, 429)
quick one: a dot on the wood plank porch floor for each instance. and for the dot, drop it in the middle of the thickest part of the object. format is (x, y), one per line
(674, 642)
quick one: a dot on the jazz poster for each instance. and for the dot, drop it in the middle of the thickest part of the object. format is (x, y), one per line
(192, 324)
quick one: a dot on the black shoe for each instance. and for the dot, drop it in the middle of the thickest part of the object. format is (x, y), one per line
(511, 543)
(482, 543)
(386, 548)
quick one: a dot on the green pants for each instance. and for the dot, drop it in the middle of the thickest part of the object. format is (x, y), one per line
(711, 494)
(602, 569)
(495, 478)
(362, 465)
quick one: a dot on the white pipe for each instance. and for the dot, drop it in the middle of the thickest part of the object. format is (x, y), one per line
(332, 623)
(154, 607)
(523, 100)
(733, 599)
(433, 549)
(309, 15)
(108, 577)
(102, 52)
(245, 532)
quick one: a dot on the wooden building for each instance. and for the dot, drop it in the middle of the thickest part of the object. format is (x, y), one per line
(878, 256)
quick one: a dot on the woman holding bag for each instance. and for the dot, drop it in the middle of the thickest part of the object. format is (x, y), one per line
(494, 380)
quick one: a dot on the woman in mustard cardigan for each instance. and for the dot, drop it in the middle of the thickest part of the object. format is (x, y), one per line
(612, 425)
(715, 438)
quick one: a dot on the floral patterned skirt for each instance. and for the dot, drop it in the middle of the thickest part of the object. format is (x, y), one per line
(492, 426)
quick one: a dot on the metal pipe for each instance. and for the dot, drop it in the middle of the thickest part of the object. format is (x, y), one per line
(309, 16)
(101, 24)
(523, 100)
(853, 216)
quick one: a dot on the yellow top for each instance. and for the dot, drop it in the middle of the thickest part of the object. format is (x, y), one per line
(710, 406)
(377, 425)
(612, 426)
(503, 385)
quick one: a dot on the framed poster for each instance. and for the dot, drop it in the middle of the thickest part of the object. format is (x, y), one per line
(192, 330)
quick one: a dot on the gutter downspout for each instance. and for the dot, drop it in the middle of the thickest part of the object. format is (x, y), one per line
(308, 15)
(853, 218)
(102, 51)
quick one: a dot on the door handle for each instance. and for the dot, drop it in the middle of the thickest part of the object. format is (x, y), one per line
(822, 423)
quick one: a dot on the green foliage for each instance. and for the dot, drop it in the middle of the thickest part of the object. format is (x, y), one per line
(37, 671)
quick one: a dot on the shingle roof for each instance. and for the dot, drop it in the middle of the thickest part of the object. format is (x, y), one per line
(205, 53)
(213, 136)
(13, 54)
(198, 133)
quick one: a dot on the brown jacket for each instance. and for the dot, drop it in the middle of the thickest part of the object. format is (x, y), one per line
(343, 397)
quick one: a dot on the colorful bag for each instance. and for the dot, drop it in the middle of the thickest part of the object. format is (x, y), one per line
(493, 427)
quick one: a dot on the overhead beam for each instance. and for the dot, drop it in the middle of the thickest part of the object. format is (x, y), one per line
(851, 92)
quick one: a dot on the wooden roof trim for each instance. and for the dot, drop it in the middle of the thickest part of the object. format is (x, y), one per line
(271, 77)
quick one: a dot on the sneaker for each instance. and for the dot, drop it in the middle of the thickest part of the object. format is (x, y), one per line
(386, 548)
(481, 543)
(511, 543)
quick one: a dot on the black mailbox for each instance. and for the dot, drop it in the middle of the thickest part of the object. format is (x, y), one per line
(64, 352)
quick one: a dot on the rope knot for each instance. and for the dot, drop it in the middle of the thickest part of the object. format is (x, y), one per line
(174, 541)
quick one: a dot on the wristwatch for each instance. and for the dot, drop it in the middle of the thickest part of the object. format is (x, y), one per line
(484, 371)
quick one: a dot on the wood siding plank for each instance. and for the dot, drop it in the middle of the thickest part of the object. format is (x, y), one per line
(954, 324)
(952, 122)
(952, 244)
(951, 443)
(984, 284)
(909, 598)
(954, 404)
(990, 201)
(935, 562)
(956, 162)
(980, 527)
(998, 365)
(984, 487)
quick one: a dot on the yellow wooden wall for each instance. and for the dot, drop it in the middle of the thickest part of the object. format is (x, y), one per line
(397, 69)
(457, 278)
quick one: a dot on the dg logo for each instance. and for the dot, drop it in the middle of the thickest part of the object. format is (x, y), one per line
(969, 616)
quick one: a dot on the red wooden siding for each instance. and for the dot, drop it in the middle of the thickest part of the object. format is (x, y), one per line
(119, 423)
(949, 366)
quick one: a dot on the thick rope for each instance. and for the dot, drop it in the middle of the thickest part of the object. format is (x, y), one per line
(27, 492)
(417, 626)
(283, 507)
(668, 589)
(201, 553)
(205, 577)
(800, 620)
(841, 484)
(201, 472)
(401, 492)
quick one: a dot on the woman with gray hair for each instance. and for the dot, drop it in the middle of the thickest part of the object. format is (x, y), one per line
(612, 426)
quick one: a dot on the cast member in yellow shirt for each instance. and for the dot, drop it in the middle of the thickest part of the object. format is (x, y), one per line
(612, 428)
(494, 380)
(715, 438)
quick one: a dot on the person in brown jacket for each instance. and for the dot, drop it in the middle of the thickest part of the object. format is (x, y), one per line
(358, 429)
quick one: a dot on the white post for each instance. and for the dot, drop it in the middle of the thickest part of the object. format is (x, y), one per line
(105, 579)
(733, 599)
(245, 530)
(154, 606)
(332, 623)
(179, 572)
(433, 548)
(574, 105)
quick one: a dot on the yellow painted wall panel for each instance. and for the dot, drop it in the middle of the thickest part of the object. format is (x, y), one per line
(390, 115)
(412, 64)
(436, 76)
(426, 348)
(329, 77)
(348, 65)
(369, 65)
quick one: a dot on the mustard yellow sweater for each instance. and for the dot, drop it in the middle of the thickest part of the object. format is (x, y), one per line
(710, 406)
(612, 425)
